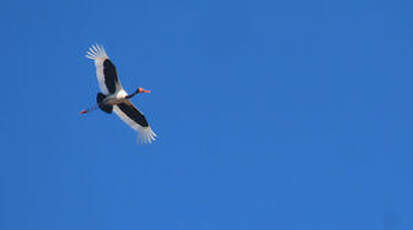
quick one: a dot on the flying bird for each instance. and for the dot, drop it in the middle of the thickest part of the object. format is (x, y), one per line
(114, 98)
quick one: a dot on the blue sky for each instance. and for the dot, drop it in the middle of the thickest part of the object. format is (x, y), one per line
(270, 115)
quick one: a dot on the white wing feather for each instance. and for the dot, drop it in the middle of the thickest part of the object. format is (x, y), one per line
(145, 134)
(98, 54)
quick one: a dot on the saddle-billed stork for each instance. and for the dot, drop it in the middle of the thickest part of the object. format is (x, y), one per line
(114, 97)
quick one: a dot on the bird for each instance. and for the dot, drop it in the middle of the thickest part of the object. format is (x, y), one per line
(114, 98)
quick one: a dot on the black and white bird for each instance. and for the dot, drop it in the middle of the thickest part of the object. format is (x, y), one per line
(114, 97)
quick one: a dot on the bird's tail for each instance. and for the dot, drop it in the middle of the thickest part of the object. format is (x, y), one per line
(104, 107)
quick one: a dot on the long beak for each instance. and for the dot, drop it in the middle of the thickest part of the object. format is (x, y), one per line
(145, 91)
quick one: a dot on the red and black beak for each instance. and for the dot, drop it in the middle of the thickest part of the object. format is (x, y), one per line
(142, 90)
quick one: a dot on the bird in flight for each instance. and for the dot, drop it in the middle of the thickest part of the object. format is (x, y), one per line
(114, 97)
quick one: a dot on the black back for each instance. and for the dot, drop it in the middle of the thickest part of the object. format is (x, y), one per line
(105, 108)
(111, 78)
(133, 114)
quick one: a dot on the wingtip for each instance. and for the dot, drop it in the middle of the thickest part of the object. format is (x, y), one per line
(96, 52)
(147, 137)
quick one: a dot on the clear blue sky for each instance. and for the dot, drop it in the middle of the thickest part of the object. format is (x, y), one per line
(270, 115)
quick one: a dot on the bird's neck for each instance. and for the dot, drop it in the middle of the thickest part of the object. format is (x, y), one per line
(132, 95)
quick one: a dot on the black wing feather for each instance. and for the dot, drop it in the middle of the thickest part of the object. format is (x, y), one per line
(111, 77)
(133, 114)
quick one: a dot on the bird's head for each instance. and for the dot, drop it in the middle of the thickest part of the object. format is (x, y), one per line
(142, 90)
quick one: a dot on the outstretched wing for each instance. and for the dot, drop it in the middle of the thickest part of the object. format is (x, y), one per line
(105, 70)
(136, 120)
